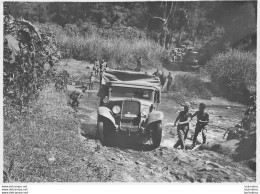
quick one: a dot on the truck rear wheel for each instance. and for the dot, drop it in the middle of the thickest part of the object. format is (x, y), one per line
(157, 134)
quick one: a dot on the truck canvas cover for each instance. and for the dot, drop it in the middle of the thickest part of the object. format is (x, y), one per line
(129, 77)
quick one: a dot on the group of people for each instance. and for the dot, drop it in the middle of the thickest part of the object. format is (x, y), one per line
(98, 68)
(163, 79)
(184, 118)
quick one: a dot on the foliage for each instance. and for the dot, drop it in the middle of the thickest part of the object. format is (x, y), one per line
(197, 20)
(61, 81)
(191, 86)
(247, 145)
(26, 51)
(233, 73)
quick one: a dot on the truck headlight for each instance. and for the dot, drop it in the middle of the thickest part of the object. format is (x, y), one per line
(145, 111)
(116, 109)
(105, 100)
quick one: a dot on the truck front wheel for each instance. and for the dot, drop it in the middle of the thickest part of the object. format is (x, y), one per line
(157, 134)
(100, 131)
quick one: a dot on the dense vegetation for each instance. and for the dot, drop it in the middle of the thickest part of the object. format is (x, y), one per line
(234, 74)
(122, 32)
(27, 51)
(208, 26)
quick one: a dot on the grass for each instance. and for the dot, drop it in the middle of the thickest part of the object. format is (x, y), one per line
(190, 86)
(120, 47)
(42, 145)
(118, 52)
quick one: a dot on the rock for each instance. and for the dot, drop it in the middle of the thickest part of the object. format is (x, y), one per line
(165, 168)
(169, 179)
(227, 177)
(51, 159)
(209, 179)
(215, 165)
(207, 168)
(228, 107)
(190, 176)
(238, 126)
(148, 165)
(84, 159)
(139, 163)
(202, 180)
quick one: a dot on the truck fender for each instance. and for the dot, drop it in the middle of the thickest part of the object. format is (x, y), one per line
(154, 116)
(106, 112)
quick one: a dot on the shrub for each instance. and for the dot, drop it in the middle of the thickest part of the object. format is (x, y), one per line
(26, 51)
(233, 72)
(191, 86)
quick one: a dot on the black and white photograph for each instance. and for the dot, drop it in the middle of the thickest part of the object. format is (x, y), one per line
(129, 92)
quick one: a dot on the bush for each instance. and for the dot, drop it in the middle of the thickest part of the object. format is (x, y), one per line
(233, 73)
(26, 52)
(191, 86)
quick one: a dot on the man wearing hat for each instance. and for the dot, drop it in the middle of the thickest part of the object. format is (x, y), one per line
(183, 120)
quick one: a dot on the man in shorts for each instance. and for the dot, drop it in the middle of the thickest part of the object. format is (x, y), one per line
(184, 118)
(202, 123)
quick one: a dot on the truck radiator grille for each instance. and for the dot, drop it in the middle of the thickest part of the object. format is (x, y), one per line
(130, 107)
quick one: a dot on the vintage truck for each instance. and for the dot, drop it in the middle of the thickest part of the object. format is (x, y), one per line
(129, 104)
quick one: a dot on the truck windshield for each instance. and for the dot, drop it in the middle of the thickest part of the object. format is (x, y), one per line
(145, 94)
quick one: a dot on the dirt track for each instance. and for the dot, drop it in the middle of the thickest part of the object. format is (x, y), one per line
(141, 163)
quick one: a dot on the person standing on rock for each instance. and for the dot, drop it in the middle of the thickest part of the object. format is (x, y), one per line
(169, 82)
(202, 123)
(184, 119)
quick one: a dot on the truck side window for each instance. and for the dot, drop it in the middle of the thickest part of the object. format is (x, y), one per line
(157, 97)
